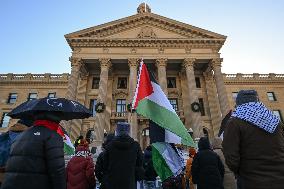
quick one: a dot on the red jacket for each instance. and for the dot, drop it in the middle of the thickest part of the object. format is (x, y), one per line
(80, 170)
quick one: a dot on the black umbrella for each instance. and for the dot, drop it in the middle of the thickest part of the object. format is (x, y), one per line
(67, 109)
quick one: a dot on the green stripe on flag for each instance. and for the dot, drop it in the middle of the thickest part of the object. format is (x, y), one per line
(166, 119)
(160, 164)
(68, 149)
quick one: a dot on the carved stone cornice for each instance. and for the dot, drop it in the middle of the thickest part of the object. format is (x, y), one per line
(189, 62)
(105, 62)
(161, 62)
(120, 93)
(133, 62)
(154, 43)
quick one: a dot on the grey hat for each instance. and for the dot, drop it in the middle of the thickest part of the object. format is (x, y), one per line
(122, 128)
(245, 96)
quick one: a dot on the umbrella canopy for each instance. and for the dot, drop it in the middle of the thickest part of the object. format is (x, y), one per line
(66, 109)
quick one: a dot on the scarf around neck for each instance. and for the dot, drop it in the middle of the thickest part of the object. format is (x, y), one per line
(257, 114)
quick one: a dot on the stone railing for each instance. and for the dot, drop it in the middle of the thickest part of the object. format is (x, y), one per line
(119, 114)
(253, 77)
(34, 77)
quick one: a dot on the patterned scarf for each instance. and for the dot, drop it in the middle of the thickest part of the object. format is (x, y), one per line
(83, 154)
(257, 114)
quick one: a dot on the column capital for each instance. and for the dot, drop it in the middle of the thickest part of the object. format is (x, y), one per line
(161, 62)
(188, 62)
(75, 61)
(216, 62)
(133, 62)
(105, 62)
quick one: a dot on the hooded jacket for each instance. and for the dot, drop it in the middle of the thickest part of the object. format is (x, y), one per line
(207, 168)
(80, 170)
(122, 158)
(229, 178)
(253, 147)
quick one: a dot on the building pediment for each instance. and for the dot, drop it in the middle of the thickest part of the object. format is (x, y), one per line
(143, 26)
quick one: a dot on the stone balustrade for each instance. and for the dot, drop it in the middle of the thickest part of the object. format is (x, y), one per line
(252, 77)
(34, 77)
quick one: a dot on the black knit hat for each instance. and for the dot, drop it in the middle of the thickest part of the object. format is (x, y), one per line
(245, 96)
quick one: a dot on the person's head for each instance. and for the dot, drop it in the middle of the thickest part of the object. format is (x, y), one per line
(83, 145)
(217, 143)
(246, 96)
(80, 137)
(122, 129)
(191, 151)
(50, 116)
(204, 143)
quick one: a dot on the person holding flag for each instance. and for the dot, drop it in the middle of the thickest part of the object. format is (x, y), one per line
(165, 125)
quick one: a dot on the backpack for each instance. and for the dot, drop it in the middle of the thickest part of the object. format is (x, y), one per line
(5, 145)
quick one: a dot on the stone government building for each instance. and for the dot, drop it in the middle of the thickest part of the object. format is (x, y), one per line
(185, 60)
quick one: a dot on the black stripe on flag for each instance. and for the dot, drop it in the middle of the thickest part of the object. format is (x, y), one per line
(156, 133)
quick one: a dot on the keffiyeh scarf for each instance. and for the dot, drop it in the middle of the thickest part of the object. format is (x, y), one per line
(257, 114)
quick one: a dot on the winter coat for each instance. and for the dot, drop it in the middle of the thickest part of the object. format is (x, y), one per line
(100, 172)
(122, 160)
(80, 170)
(150, 173)
(207, 168)
(256, 155)
(229, 177)
(6, 141)
(36, 161)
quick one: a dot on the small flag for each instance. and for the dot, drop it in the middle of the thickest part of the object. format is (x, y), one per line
(166, 161)
(69, 149)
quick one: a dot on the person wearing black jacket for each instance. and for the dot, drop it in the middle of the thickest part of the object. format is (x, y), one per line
(100, 171)
(37, 157)
(150, 173)
(207, 168)
(122, 160)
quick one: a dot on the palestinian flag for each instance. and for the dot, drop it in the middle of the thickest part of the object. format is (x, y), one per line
(69, 149)
(151, 102)
(166, 161)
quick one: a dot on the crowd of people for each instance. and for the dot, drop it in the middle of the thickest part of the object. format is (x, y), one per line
(247, 154)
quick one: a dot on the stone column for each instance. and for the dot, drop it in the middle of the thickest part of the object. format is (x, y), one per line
(214, 107)
(71, 94)
(222, 94)
(194, 117)
(132, 117)
(76, 64)
(100, 122)
(161, 64)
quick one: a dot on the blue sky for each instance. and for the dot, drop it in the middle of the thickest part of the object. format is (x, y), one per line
(32, 31)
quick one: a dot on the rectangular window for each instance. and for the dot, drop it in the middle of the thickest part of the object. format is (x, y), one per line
(32, 96)
(202, 111)
(121, 107)
(174, 103)
(93, 103)
(197, 82)
(234, 95)
(95, 83)
(122, 83)
(4, 120)
(51, 95)
(171, 82)
(12, 98)
(271, 96)
(278, 113)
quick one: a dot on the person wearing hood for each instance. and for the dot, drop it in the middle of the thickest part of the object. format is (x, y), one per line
(122, 160)
(253, 144)
(37, 157)
(6, 141)
(100, 171)
(80, 168)
(207, 169)
(229, 177)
